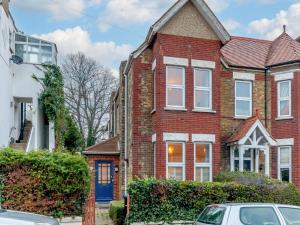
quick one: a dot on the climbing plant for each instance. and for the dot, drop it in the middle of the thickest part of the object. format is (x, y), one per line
(52, 99)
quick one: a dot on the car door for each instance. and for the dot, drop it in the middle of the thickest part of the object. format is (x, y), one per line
(254, 215)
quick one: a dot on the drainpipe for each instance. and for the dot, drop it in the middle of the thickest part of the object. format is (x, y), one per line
(126, 135)
(266, 96)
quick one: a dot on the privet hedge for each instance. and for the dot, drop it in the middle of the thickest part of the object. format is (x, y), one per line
(168, 200)
(53, 184)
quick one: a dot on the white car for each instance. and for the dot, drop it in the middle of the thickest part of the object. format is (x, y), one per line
(8, 217)
(250, 214)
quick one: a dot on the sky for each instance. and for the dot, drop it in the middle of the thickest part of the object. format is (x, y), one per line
(108, 30)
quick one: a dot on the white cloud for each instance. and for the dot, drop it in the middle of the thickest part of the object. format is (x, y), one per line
(76, 39)
(58, 9)
(272, 28)
(231, 25)
(217, 5)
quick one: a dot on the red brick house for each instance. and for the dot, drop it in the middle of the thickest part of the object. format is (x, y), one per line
(194, 101)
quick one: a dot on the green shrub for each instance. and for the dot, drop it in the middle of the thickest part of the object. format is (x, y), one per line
(54, 184)
(116, 212)
(168, 200)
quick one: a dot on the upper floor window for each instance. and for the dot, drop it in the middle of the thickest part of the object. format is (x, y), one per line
(243, 98)
(202, 89)
(154, 90)
(284, 98)
(175, 160)
(175, 87)
(33, 50)
(284, 163)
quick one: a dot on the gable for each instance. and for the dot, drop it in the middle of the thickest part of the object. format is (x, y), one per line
(190, 23)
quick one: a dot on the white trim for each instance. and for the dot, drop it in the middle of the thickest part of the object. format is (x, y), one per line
(153, 138)
(284, 166)
(182, 164)
(203, 165)
(204, 138)
(246, 99)
(203, 64)
(154, 77)
(207, 89)
(285, 142)
(176, 61)
(243, 76)
(176, 137)
(181, 87)
(279, 99)
(283, 76)
(154, 65)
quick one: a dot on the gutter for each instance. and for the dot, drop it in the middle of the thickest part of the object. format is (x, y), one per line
(126, 134)
(266, 97)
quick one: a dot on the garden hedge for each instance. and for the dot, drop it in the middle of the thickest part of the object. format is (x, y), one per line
(169, 200)
(53, 184)
(117, 212)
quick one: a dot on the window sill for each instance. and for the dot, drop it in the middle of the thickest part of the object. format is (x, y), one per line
(284, 118)
(242, 117)
(204, 111)
(153, 111)
(175, 109)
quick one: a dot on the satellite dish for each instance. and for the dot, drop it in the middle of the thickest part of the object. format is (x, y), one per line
(16, 59)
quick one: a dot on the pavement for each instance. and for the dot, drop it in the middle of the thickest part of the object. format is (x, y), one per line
(102, 216)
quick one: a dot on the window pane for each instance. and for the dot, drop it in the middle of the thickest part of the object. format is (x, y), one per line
(247, 165)
(33, 57)
(33, 40)
(285, 156)
(243, 108)
(284, 89)
(247, 153)
(212, 215)
(175, 153)
(175, 75)
(285, 174)
(236, 165)
(21, 38)
(21, 50)
(202, 99)
(290, 215)
(175, 96)
(203, 174)
(243, 89)
(175, 172)
(202, 153)
(284, 108)
(202, 78)
(258, 215)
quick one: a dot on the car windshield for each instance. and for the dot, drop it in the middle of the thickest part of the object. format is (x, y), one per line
(290, 215)
(212, 215)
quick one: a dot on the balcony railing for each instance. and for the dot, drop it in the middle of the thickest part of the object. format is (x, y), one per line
(34, 50)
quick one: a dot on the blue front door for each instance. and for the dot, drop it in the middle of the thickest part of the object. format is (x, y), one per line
(104, 181)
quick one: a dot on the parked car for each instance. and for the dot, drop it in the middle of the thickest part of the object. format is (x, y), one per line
(8, 217)
(250, 214)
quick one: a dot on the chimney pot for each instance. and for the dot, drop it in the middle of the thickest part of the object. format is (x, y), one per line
(284, 28)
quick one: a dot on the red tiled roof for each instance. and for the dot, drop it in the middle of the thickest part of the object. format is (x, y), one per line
(255, 53)
(284, 49)
(246, 52)
(107, 147)
(243, 129)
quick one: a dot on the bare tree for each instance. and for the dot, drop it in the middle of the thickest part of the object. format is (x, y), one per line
(88, 87)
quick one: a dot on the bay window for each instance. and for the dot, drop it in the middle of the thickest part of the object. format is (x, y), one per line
(203, 162)
(284, 98)
(202, 89)
(175, 87)
(175, 160)
(285, 163)
(243, 98)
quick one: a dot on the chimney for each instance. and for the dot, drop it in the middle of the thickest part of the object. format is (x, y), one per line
(5, 5)
(298, 39)
(284, 28)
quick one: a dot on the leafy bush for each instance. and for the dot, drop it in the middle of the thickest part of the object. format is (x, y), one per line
(116, 212)
(54, 184)
(169, 200)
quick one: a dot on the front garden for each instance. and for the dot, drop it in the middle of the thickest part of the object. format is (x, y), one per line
(154, 200)
(54, 184)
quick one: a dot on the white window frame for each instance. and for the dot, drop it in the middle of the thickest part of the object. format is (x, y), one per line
(279, 98)
(182, 164)
(243, 98)
(284, 166)
(154, 89)
(199, 88)
(182, 87)
(203, 165)
(251, 159)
